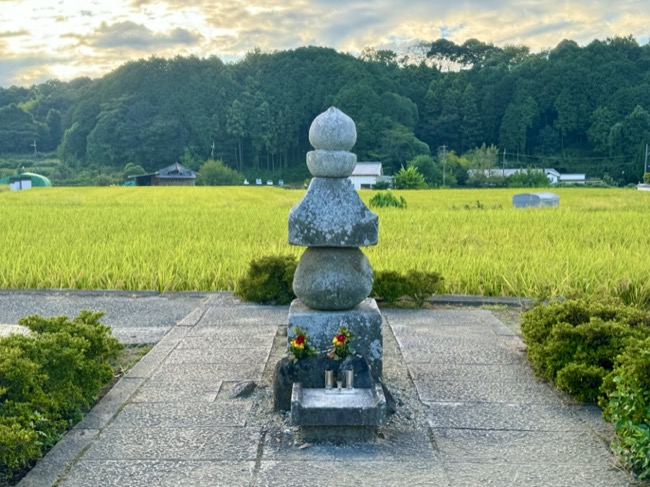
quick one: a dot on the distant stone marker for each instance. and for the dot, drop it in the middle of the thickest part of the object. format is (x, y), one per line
(526, 200)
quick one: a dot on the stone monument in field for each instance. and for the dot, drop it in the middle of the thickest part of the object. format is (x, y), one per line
(333, 281)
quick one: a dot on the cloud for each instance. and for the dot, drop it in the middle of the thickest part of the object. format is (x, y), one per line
(25, 71)
(100, 35)
(14, 33)
(137, 37)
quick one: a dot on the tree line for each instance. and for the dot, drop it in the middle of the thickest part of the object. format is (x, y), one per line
(578, 109)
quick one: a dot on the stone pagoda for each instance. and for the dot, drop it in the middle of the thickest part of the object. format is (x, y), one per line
(334, 279)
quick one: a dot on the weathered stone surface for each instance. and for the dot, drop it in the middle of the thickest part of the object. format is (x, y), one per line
(60, 458)
(331, 214)
(332, 278)
(243, 388)
(320, 407)
(311, 373)
(519, 447)
(479, 391)
(174, 415)
(333, 130)
(505, 473)
(134, 316)
(215, 443)
(363, 472)
(161, 473)
(502, 416)
(107, 408)
(364, 321)
(397, 445)
(331, 164)
(171, 390)
(218, 355)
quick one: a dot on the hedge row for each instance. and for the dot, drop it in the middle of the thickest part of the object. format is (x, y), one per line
(598, 352)
(47, 380)
(269, 280)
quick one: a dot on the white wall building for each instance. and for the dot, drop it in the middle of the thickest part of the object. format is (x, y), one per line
(553, 176)
(366, 174)
(573, 178)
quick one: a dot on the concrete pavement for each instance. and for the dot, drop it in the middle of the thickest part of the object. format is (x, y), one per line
(470, 413)
(135, 317)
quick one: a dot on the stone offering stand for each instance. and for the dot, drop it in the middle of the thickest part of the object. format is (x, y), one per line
(332, 283)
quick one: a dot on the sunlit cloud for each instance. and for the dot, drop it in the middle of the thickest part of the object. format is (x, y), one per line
(137, 37)
(100, 35)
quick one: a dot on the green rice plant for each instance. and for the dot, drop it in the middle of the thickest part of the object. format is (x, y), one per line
(387, 199)
(203, 238)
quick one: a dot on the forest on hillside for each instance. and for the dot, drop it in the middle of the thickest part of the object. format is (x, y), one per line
(577, 109)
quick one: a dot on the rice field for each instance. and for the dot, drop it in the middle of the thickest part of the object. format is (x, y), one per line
(202, 238)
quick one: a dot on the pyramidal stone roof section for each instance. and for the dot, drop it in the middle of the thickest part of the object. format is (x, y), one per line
(331, 214)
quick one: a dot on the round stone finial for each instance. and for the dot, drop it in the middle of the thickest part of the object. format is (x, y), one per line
(333, 130)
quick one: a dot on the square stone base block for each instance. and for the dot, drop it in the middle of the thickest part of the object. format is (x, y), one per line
(364, 320)
(334, 407)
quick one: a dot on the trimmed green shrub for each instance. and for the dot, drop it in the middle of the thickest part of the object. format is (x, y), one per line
(599, 351)
(422, 284)
(418, 285)
(269, 280)
(539, 321)
(18, 447)
(389, 286)
(580, 380)
(387, 199)
(628, 406)
(381, 185)
(47, 380)
(575, 343)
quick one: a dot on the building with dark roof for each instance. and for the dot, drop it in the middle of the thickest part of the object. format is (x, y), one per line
(174, 175)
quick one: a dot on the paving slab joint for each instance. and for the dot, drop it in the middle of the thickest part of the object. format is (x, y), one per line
(258, 457)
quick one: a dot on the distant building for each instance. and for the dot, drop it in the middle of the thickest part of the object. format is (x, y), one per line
(26, 180)
(367, 174)
(573, 178)
(174, 175)
(553, 175)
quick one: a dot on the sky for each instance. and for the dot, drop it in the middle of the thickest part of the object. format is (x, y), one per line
(65, 39)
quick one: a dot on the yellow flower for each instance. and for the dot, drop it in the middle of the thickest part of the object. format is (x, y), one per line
(299, 346)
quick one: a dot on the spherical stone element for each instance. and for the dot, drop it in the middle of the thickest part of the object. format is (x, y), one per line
(330, 163)
(332, 278)
(333, 130)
